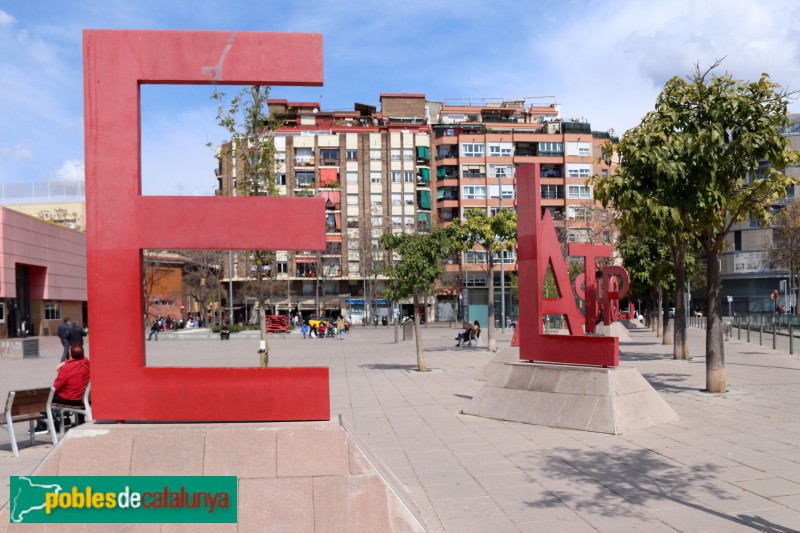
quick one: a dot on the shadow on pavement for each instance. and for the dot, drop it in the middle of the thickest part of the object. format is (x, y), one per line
(641, 477)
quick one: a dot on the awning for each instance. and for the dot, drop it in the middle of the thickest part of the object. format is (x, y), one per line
(441, 172)
(333, 196)
(328, 176)
(424, 174)
(423, 152)
(333, 238)
(440, 193)
(306, 260)
(424, 199)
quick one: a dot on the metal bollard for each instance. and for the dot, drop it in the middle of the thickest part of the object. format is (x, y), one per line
(748, 331)
(738, 331)
(760, 334)
(791, 339)
(774, 336)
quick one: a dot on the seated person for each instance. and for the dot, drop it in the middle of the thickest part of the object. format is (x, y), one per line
(476, 331)
(72, 379)
(465, 336)
(225, 332)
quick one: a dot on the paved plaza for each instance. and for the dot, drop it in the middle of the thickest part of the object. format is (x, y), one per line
(731, 463)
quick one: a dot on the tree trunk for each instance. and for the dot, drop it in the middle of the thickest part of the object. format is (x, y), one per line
(659, 314)
(666, 337)
(263, 355)
(681, 348)
(418, 334)
(715, 349)
(491, 344)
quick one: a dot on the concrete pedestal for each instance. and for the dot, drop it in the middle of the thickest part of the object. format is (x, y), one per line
(604, 400)
(19, 348)
(301, 476)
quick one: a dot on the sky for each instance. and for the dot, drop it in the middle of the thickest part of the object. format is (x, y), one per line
(602, 61)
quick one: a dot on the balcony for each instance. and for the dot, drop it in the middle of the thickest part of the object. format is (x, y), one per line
(304, 161)
(329, 161)
(474, 175)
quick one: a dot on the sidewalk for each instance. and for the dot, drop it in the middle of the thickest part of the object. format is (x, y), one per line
(731, 463)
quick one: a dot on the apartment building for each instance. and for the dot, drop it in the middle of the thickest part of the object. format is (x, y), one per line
(477, 146)
(373, 170)
(412, 164)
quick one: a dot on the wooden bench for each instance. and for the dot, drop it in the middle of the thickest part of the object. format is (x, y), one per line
(30, 405)
(86, 410)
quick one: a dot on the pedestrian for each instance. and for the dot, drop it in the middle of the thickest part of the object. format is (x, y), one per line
(153, 330)
(340, 327)
(63, 334)
(76, 334)
(304, 329)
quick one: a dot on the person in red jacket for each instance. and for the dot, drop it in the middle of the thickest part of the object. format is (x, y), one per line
(72, 379)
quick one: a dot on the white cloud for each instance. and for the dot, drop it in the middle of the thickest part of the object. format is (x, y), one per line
(6, 19)
(72, 169)
(20, 151)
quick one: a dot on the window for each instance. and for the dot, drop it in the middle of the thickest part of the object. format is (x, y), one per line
(606, 237)
(474, 171)
(474, 192)
(329, 156)
(409, 222)
(580, 191)
(571, 236)
(582, 149)
(737, 240)
(304, 179)
(500, 149)
(303, 156)
(475, 281)
(475, 257)
(2, 312)
(579, 170)
(577, 212)
(408, 198)
(395, 176)
(283, 267)
(377, 222)
(498, 171)
(280, 179)
(52, 310)
(375, 176)
(308, 288)
(280, 157)
(352, 155)
(604, 172)
(408, 176)
(376, 199)
(352, 199)
(374, 154)
(330, 287)
(552, 191)
(473, 149)
(396, 199)
(397, 222)
(395, 154)
(508, 191)
(408, 154)
(352, 177)
(551, 148)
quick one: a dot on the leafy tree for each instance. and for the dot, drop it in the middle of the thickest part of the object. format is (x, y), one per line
(414, 272)
(495, 234)
(709, 155)
(252, 146)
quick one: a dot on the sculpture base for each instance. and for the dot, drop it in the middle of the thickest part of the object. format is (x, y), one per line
(604, 400)
(293, 476)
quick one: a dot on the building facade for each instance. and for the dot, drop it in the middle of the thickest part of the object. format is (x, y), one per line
(42, 275)
(409, 166)
(477, 147)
